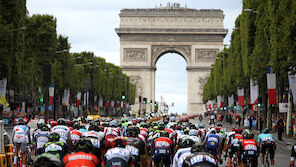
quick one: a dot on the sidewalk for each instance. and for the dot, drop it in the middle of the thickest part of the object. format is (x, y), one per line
(287, 143)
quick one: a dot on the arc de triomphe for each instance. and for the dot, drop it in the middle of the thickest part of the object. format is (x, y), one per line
(147, 34)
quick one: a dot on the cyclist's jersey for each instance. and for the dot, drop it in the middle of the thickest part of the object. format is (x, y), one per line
(112, 131)
(144, 132)
(63, 131)
(172, 134)
(143, 138)
(199, 159)
(117, 156)
(249, 145)
(57, 148)
(75, 135)
(80, 159)
(235, 141)
(40, 140)
(266, 138)
(163, 142)
(180, 156)
(95, 138)
(94, 134)
(20, 134)
(193, 132)
(293, 154)
(212, 140)
(137, 148)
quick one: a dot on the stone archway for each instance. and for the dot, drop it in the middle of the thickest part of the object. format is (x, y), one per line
(147, 34)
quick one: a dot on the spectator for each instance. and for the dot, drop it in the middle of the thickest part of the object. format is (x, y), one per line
(239, 119)
(280, 125)
(250, 122)
(260, 123)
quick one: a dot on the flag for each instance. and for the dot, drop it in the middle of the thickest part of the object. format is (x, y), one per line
(3, 101)
(101, 102)
(254, 88)
(271, 85)
(241, 95)
(107, 104)
(220, 100)
(230, 100)
(66, 97)
(112, 103)
(78, 99)
(3, 84)
(87, 98)
(292, 83)
(51, 94)
(121, 104)
(84, 99)
(117, 104)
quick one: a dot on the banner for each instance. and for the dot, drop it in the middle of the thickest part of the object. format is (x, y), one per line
(254, 90)
(78, 99)
(271, 86)
(101, 102)
(51, 94)
(3, 84)
(231, 100)
(3, 101)
(66, 96)
(292, 83)
(283, 107)
(241, 96)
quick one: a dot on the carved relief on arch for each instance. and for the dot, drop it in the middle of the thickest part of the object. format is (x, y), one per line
(158, 50)
(136, 79)
(202, 81)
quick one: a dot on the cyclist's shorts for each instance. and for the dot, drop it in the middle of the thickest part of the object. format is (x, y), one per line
(205, 164)
(22, 146)
(212, 151)
(249, 154)
(271, 148)
(116, 162)
(233, 150)
(162, 154)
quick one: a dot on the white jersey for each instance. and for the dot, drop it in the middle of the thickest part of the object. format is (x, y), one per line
(63, 131)
(179, 155)
(20, 134)
(118, 152)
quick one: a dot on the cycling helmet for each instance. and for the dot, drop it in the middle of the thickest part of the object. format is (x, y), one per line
(62, 121)
(153, 124)
(248, 135)
(44, 128)
(54, 136)
(198, 147)
(238, 130)
(201, 125)
(161, 126)
(76, 125)
(266, 131)
(193, 133)
(113, 124)
(94, 128)
(219, 125)
(47, 159)
(132, 132)
(186, 143)
(20, 122)
(83, 145)
(134, 121)
(165, 122)
(164, 134)
(70, 123)
(173, 119)
(119, 142)
(192, 126)
(186, 132)
(53, 123)
(213, 131)
(39, 124)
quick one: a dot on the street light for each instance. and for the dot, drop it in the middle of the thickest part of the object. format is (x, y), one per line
(62, 51)
(89, 63)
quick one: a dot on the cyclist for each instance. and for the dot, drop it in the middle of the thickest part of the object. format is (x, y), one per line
(199, 157)
(162, 148)
(83, 155)
(55, 146)
(183, 151)
(47, 160)
(136, 146)
(267, 142)
(41, 139)
(20, 135)
(233, 142)
(293, 155)
(249, 149)
(118, 155)
(64, 132)
(76, 133)
(212, 143)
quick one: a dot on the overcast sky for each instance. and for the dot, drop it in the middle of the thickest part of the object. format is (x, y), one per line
(90, 25)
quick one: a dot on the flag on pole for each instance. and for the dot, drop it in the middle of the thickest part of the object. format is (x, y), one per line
(241, 97)
(51, 94)
(3, 84)
(271, 85)
(3, 101)
(220, 100)
(254, 91)
(230, 100)
(101, 101)
(292, 83)
(87, 98)
(84, 99)
(66, 96)
(78, 99)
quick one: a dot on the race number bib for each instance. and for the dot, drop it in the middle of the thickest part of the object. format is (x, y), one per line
(96, 143)
(134, 151)
(53, 147)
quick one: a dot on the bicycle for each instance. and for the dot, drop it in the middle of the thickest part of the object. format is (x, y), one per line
(266, 164)
(234, 161)
(28, 160)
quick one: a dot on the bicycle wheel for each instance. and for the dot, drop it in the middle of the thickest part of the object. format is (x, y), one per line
(267, 160)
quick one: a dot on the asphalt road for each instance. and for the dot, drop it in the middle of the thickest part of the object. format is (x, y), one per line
(282, 153)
